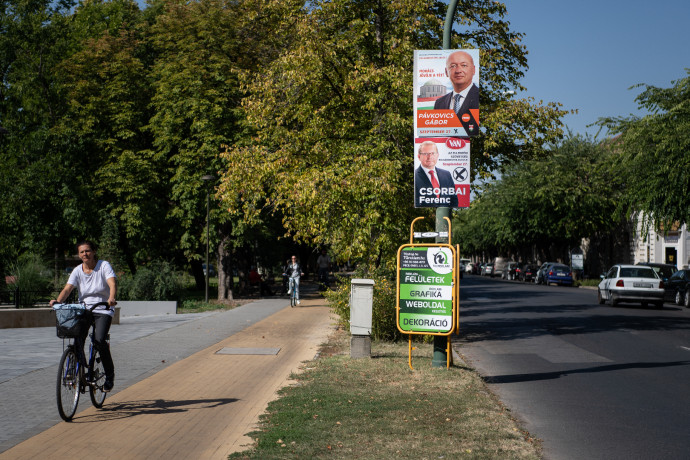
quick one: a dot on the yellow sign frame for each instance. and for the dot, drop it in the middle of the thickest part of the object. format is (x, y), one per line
(455, 292)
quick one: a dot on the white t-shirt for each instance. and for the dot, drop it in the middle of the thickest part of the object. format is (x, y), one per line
(93, 288)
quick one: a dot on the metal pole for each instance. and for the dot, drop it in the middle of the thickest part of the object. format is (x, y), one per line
(207, 179)
(208, 268)
(448, 25)
(440, 343)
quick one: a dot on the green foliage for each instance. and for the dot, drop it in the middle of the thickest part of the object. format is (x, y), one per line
(111, 115)
(333, 120)
(653, 154)
(31, 273)
(553, 201)
(34, 38)
(33, 279)
(383, 309)
(155, 281)
(109, 247)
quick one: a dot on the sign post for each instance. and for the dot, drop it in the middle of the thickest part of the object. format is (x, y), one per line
(427, 295)
(459, 112)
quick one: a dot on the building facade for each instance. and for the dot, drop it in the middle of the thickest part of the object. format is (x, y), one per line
(664, 246)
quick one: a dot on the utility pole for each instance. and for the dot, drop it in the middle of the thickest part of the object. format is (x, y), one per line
(207, 179)
(440, 342)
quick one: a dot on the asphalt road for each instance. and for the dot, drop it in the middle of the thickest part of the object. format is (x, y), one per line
(590, 381)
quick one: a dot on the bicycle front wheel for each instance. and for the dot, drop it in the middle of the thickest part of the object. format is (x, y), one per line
(67, 390)
(97, 377)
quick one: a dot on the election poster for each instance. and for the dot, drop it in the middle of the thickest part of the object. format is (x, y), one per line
(446, 99)
(442, 172)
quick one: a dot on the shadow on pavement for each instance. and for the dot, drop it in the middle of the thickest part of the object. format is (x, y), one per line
(128, 409)
(515, 378)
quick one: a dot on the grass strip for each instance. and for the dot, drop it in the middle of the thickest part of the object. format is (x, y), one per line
(341, 408)
(199, 306)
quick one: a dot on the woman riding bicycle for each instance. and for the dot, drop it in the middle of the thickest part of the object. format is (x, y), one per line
(96, 282)
(294, 271)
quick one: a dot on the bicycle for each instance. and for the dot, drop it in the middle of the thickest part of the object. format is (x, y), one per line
(72, 379)
(324, 282)
(293, 292)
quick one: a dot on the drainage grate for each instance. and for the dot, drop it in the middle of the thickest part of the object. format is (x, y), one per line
(248, 351)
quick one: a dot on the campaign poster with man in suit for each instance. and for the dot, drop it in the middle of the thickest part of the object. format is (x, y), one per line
(446, 83)
(442, 173)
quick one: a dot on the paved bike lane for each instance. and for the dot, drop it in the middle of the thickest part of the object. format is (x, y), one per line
(167, 402)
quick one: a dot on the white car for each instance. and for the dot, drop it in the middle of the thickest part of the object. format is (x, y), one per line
(631, 283)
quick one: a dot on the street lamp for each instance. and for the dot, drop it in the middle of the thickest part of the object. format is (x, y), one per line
(207, 178)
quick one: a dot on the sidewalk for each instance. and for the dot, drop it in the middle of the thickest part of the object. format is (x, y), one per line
(199, 407)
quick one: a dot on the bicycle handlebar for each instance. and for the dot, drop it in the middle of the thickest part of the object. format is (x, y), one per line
(98, 304)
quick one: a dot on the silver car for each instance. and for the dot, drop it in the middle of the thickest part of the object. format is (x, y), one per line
(631, 283)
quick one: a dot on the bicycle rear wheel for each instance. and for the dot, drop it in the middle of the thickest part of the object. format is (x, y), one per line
(97, 377)
(293, 294)
(67, 389)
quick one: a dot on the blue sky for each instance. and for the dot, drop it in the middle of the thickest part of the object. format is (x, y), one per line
(587, 54)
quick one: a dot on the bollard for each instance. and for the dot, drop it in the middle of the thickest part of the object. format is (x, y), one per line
(361, 301)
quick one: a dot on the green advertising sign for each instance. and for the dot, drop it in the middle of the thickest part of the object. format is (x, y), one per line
(425, 289)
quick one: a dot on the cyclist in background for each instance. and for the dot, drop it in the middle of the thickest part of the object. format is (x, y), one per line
(323, 263)
(294, 271)
(96, 282)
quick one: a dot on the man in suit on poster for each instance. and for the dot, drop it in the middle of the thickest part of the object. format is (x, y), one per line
(460, 70)
(433, 187)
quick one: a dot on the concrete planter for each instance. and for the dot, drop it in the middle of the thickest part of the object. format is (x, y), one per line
(34, 317)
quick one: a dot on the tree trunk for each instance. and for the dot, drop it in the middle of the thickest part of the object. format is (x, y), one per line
(198, 272)
(225, 277)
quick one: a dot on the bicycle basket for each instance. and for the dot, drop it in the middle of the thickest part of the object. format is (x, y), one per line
(70, 319)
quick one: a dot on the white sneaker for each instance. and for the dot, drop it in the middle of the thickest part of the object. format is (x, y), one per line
(298, 302)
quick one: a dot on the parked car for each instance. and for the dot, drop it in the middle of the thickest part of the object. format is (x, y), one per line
(510, 271)
(488, 270)
(540, 277)
(211, 270)
(518, 271)
(559, 274)
(677, 288)
(665, 271)
(470, 268)
(500, 264)
(528, 272)
(631, 283)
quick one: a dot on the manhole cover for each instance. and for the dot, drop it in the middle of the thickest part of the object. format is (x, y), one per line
(248, 351)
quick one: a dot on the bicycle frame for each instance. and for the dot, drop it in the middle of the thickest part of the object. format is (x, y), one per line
(82, 363)
(293, 292)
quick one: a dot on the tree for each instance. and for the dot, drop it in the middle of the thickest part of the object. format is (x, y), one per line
(107, 91)
(333, 149)
(34, 38)
(203, 50)
(653, 154)
(549, 204)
